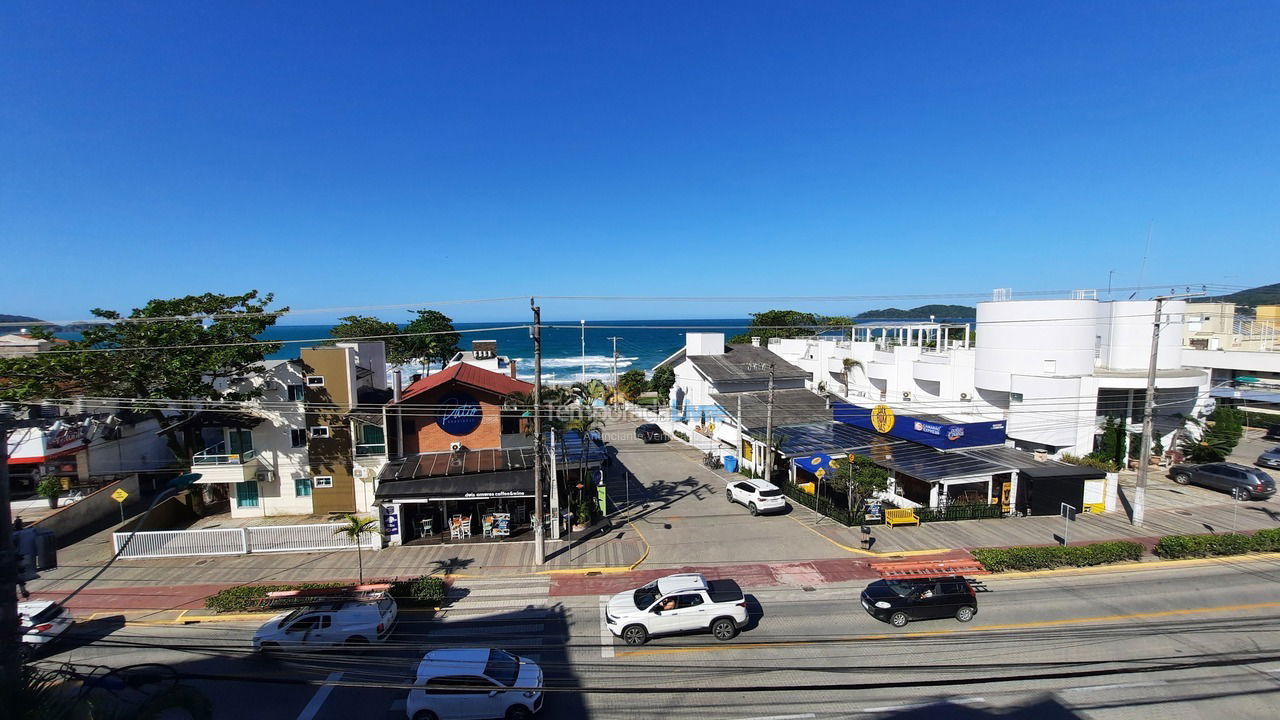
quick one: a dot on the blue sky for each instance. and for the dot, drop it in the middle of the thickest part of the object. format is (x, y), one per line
(351, 154)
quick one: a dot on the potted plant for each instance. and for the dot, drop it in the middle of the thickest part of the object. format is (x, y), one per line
(582, 515)
(50, 487)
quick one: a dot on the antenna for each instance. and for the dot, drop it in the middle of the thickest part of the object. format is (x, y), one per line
(1142, 274)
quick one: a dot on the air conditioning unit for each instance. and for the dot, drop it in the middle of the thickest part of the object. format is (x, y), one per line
(360, 473)
(906, 394)
(964, 396)
(263, 476)
(455, 447)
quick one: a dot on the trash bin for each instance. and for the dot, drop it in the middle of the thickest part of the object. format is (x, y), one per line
(730, 463)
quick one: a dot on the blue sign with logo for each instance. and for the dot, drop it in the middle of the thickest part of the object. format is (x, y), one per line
(926, 431)
(459, 415)
(390, 520)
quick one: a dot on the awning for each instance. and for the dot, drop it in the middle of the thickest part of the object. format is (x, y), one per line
(510, 483)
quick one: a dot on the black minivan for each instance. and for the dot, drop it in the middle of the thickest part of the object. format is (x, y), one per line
(898, 601)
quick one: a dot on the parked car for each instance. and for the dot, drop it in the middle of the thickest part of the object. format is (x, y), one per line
(651, 433)
(677, 603)
(898, 601)
(1242, 481)
(1273, 433)
(1270, 458)
(40, 622)
(467, 683)
(341, 623)
(757, 495)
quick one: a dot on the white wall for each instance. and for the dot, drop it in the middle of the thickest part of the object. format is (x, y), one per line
(1125, 328)
(704, 343)
(1034, 337)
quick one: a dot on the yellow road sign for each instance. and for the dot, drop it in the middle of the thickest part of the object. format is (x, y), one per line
(820, 473)
(119, 495)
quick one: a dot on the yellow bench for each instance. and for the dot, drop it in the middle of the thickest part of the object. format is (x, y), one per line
(900, 516)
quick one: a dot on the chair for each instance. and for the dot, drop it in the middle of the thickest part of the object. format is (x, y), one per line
(466, 526)
(455, 526)
(425, 527)
(487, 522)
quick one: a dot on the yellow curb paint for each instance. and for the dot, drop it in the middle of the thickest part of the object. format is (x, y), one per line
(1136, 566)
(967, 631)
(874, 553)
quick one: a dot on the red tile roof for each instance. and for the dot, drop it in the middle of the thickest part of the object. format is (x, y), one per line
(465, 374)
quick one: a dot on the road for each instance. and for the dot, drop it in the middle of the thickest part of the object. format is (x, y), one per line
(1191, 641)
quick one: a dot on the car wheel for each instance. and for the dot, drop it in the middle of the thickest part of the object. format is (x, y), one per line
(728, 495)
(518, 712)
(357, 641)
(724, 629)
(898, 619)
(1242, 494)
(965, 614)
(1182, 478)
(425, 715)
(635, 635)
(754, 510)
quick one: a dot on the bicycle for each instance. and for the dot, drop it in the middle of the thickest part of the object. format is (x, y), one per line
(712, 461)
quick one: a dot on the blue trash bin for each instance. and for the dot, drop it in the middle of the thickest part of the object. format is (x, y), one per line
(730, 463)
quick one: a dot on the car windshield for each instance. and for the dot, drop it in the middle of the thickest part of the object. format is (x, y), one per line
(770, 493)
(284, 621)
(901, 589)
(503, 667)
(646, 596)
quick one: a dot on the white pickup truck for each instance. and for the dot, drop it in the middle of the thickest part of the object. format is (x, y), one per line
(677, 603)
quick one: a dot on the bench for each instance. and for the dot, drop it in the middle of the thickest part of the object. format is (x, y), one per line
(900, 516)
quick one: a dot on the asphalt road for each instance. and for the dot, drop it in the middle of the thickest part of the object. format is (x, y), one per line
(1198, 641)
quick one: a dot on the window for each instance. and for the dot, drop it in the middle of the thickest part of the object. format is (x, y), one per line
(689, 600)
(315, 381)
(302, 487)
(1050, 367)
(298, 393)
(320, 432)
(458, 685)
(322, 481)
(298, 438)
(247, 494)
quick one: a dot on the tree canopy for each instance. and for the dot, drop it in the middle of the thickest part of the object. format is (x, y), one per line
(789, 323)
(428, 348)
(200, 358)
(858, 479)
(631, 383)
(664, 378)
(361, 326)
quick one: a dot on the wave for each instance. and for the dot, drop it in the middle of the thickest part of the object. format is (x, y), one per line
(597, 361)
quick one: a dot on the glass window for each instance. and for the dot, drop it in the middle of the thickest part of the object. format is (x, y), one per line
(298, 437)
(315, 381)
(302, 487)
(503, 667)
(297, 393)
(322, 481)
(689, 600)
(371, 434)
(319, 432)
(247, 494)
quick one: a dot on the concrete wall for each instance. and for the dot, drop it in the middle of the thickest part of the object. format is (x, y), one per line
(93, 508)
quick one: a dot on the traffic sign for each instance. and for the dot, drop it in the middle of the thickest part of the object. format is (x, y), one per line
(119, 495)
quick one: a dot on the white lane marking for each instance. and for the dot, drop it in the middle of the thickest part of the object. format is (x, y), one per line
(782, 717)
(1271, 670)
(322, 694)
(606, 637)
(917, 706)
(1116, 686)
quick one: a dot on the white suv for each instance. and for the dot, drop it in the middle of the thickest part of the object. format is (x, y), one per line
(677, 603)
(758, 495)
(474, 683)
(352, 623)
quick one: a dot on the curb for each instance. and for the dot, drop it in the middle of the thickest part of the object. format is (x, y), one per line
(1135, 566)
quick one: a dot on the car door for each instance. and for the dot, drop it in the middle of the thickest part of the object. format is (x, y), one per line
(448, 698)
(296, 633)
(953, 596)
(930, 606)
(322, 633)
(485, 698)
(742, 492)
(691, 609)
(1217, 477)
(664, 621)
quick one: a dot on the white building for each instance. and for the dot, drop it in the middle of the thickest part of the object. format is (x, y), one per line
(484, 354)
(1240, 353)
(1051, 368)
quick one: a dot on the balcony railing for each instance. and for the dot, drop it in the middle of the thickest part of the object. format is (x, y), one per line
(368, 449)
(217, 455)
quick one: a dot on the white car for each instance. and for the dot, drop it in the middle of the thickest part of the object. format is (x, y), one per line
(324, 625)
(677, 603)
(758, 495)
(474, 683)
(40, 622)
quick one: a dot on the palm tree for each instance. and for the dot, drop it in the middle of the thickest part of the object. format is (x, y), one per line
(584, 424)
(355, 528)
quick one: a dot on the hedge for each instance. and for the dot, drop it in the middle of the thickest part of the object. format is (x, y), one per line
(427, 589)
(1054, 556)
(1193, 546)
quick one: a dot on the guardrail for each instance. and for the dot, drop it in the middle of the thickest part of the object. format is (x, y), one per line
(239, 541)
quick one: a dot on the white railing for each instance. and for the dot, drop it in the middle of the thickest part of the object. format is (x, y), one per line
(239, 541)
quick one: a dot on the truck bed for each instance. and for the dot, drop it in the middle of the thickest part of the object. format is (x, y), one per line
(724, 591)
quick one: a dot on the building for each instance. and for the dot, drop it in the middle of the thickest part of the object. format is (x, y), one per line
(484, 354)
(311, 444)
(22, 343)
(1240, 353)
(1052, 370)
(85, 449)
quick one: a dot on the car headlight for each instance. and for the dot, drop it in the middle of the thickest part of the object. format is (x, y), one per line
(883, 605)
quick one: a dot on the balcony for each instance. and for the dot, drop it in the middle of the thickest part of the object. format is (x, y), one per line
(371, 449)
(216, 465)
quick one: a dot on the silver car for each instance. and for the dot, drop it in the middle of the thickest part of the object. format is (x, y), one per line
(1270, 458)
(1241, 481)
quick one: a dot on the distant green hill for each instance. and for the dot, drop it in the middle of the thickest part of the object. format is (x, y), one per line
(941, 312)
(10, 323)
(1264, 295)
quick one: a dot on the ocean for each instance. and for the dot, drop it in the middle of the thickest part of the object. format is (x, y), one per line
(641, 343)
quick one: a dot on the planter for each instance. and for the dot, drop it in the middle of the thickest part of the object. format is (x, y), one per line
(53, 502)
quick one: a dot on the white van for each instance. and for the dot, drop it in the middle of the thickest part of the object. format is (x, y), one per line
(350, 623)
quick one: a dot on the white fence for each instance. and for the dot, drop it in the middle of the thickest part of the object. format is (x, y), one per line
(239, 541)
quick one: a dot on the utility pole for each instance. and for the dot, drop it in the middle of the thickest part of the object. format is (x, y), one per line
(583, 325)
(768, 430)
(8, 565)
(539, 536)
(615, 362)
(1148, 413)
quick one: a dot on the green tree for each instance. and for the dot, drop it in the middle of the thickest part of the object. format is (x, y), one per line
(664, 378)
(361, 326)
(355, 528)
(789, 323)
(631, 383)
(440, 345)
(1218, 436)
(858, 480)
(204, 357)
(1111, 445)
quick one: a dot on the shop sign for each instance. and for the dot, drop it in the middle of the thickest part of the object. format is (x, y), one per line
(501, 524)
(495, 494)
(882, 418)
(64, 437)
(390, 520)
(461, 414)
(600, 495)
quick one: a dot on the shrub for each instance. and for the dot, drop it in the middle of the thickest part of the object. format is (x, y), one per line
(1193, 546)
(1054, 556)
(50, 487)
(1091, 461)
(253, 598)
(680, 435)
(427, 589)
